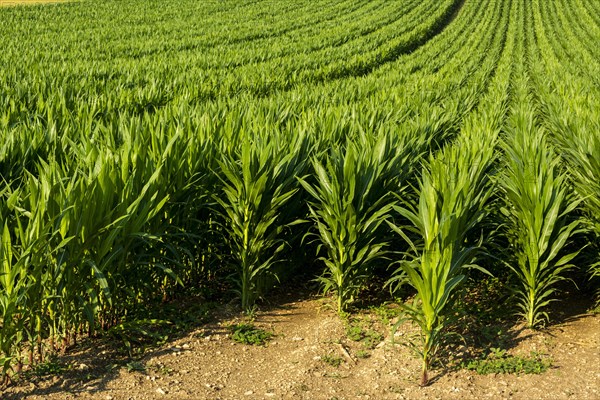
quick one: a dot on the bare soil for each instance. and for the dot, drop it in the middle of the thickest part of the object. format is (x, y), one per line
(205, 363)
(22, 2)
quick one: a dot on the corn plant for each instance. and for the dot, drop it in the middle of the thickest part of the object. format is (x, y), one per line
(110, 241)
(538, 207)
(257, 183)
(453, 198)
(351, 199)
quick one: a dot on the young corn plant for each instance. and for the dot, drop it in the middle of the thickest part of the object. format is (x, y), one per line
(351, 199)
(257, 183)
(453, 198)
(538, 208)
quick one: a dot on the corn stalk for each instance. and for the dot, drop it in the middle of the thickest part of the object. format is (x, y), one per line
(538, 210)
(351, 198)
(453, 198)
(257, 183)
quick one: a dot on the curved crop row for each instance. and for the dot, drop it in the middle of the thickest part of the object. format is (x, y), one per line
(166, 144)
(570, 114)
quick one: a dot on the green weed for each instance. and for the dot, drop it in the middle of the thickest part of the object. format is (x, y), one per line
(499, 362)
(334, 361)
(249, 334)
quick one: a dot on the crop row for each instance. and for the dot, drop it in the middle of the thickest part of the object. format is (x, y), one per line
(146, 146)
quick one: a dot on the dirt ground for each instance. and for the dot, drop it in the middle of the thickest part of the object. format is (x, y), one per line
(21, 2)
(205, 363)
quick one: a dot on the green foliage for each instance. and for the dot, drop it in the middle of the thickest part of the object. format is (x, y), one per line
(500, 362)
(137, 333)
(52, 366)
(333, 360)
(581, 151)
(111, 155)
(135, 366)
(386, 313)
(358, 332)
(174, 153)
(257, 185)
(454, 192)
(160, 368)
(249, 334)
(538, 210)
(362, 354)
(372, 339)
(354, 332)
(351, 200)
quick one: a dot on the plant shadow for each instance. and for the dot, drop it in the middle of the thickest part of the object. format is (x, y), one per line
(88, 367)
(486, 324)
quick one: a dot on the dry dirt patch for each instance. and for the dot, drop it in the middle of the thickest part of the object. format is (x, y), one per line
(206, 364)
(22, 2)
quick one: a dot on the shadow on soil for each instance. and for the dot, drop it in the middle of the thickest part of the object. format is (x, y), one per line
(92, 364)
(86, 368)
(487, 321)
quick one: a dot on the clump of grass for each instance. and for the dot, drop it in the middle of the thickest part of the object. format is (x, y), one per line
(135, 335)
(333, 360)
(51, 367)
(161, 369)
(135, 366)
(354, 332)
(249, 334)
(386, 313)
(499, 362)
(370, 338)
(362, 354)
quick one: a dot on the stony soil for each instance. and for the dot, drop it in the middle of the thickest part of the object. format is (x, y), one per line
(206, 364)
(21, 2)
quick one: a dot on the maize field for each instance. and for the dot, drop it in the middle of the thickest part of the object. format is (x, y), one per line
(150, 147)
